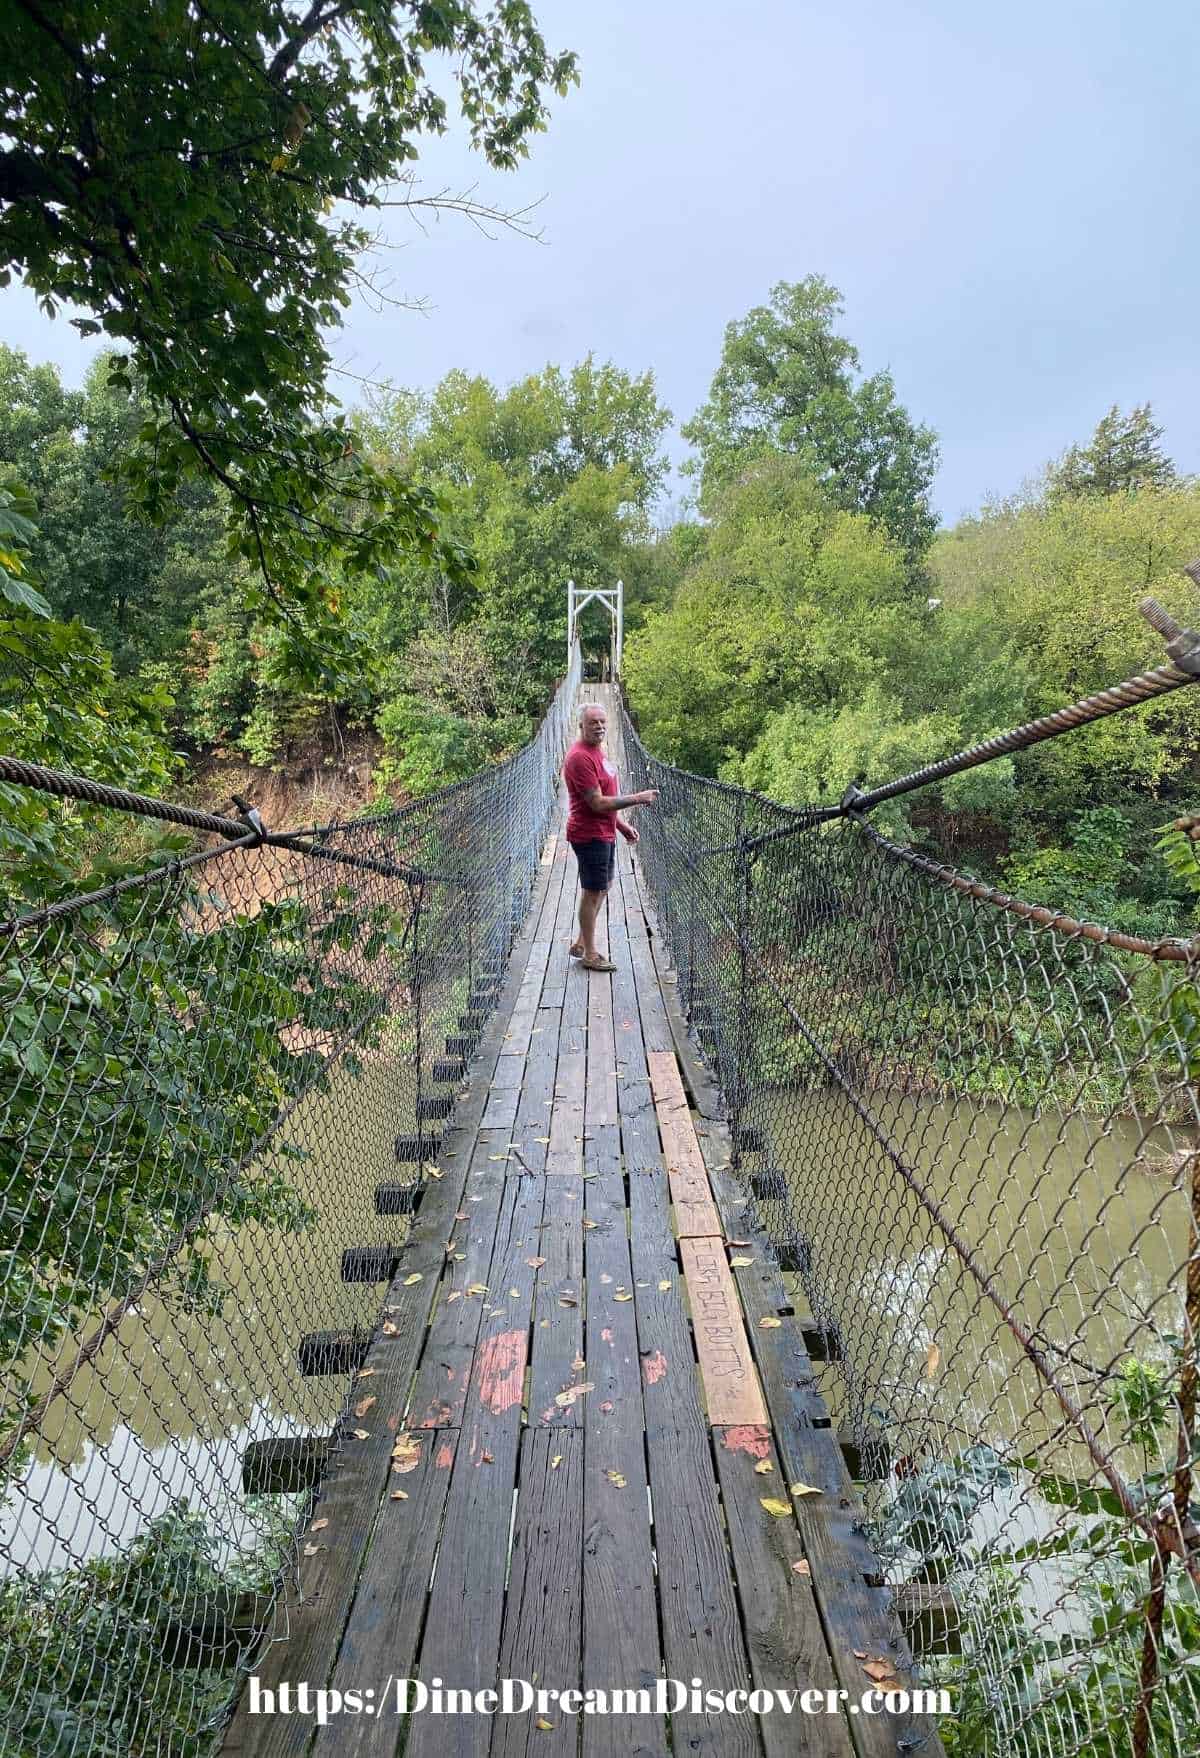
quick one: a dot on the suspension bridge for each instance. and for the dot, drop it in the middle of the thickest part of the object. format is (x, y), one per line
(807, 1310)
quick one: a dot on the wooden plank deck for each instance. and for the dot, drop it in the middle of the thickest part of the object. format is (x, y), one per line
(576, 1414)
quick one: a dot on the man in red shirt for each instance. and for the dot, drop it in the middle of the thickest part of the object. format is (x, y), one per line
(592, 825)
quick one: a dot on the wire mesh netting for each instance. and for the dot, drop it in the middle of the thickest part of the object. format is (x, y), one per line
(224, 1085)
(970, 1132)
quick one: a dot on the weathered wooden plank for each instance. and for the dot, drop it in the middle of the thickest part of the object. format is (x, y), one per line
(380, 1641)
(601, 1100)
(701, 1627)
(620, 1617)
(695, 1212)
(542, 1635)
(780, 1617)
(461, 1641)
(731, 1385)
(439, 1392)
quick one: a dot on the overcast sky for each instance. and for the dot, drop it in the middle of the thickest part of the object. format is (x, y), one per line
(1006, 197)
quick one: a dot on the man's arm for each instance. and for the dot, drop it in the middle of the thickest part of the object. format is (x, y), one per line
(598, 802)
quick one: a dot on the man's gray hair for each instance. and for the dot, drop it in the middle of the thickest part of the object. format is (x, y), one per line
(587, 708)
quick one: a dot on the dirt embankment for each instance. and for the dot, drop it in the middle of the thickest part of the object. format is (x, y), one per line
(312, 786)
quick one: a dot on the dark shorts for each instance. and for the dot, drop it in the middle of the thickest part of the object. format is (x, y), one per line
(597, 863)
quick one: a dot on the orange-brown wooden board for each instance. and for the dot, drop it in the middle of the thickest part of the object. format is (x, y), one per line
(731, 1385)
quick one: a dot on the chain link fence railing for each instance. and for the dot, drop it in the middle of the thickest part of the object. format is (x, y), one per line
(970, 1129)
(224, 1083)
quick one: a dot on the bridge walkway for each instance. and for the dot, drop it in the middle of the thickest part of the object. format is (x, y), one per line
(586, 1385)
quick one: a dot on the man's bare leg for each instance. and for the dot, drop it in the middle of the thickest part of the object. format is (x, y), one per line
(589, 910)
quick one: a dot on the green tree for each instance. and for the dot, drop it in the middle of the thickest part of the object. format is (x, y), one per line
(192, 177)
(140, 586)
(789, 382)
(1124, 454)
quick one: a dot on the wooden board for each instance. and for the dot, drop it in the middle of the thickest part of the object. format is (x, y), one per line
(731, 1386)
(542, 1638)
(782, 1623)
(695, 1212)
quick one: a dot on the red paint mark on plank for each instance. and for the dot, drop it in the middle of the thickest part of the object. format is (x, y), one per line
(500, 1370)
(654, 1367)
(749, 1438)
(606, 1335)
(444, 1457)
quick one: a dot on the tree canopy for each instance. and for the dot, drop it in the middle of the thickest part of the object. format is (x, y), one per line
(1124, 454)
(192, 176)
(788, 382)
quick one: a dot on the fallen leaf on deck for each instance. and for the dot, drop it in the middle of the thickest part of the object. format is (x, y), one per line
(567, 1300)
(462, 1215)
(535, 1263)
(802, 1568)
(486, 1459)
(589, 1224)
(318, 1525)
(363, 1405)
(406, 1454)
(310, 1550)
(411, 1281)
(457, 1295)
(562, 1399)
(664, 1287)
(364, 1373)
(478, 1288)
(556, 1461)
(579, 1364)
(803, 1489)
(606, 1279)
(389, 1329)
(399, 1495)
(434, 1171)
(763, 1466)
(882, 1671)
(773, 1505)
(615, 1478)
(546, 1726)
(361, 1434)
(740, 1263)
(769, 1324)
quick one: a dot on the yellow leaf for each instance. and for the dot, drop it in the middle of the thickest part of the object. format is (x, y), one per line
(410, 1281)
(546, 1727)
(556, 1461)
(362, 1434)
(389, 1329)
(773, 1505)
(769, 1324)
(363, 1405)
(622, 1296)
(933, 1357)
(478, 1288)
(740, 1263)
(763, 1466)
(311, 1550)
(615, 1478)
(803, 1489)
(664, 1287)
(399, 1495)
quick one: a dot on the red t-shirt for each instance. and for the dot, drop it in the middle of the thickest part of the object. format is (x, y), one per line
(587, 767)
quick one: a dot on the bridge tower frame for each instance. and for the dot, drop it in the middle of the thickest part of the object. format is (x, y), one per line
(614, 598)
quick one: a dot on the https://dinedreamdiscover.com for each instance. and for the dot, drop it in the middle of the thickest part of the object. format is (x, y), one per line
(664, 1696)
